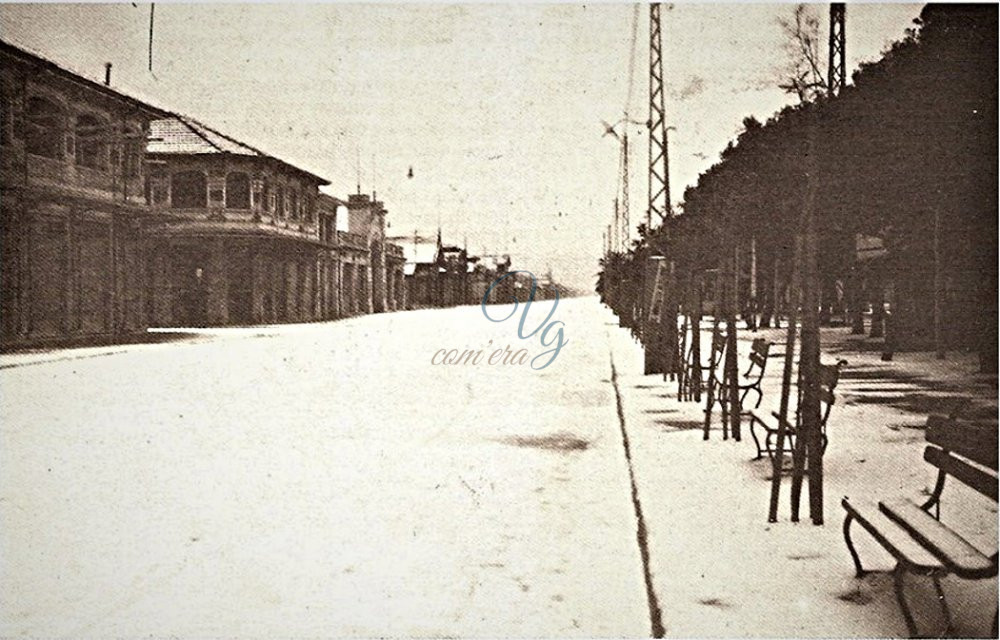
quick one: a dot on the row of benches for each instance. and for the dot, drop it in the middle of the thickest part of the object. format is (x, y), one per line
(749, 382)
(915, 537)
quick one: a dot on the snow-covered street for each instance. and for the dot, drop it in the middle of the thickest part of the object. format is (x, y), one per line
(319, 480)
(329, 480)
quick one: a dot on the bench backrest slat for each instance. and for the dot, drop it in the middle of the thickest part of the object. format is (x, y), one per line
(982, 481)
(829, 376)
(758, 355)
(975, 441)
(760, 346)
(718, 341)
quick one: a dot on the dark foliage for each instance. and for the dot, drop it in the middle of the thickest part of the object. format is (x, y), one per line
(910, 145)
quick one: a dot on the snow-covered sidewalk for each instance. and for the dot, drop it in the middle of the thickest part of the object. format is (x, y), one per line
(720, 569)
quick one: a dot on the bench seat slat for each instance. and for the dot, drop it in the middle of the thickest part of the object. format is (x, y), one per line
(769, 420)
(896, 540)
(763, 418)
(951, 549)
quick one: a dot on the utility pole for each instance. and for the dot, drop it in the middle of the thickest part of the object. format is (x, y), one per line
(659, 173)
(836, 76)
(616, 229)
(626, 228)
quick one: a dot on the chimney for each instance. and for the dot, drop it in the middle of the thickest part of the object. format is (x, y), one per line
(107, 74)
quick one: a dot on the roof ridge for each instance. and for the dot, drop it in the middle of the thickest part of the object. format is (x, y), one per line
(186, 121)
(231, 139)
(193, 125)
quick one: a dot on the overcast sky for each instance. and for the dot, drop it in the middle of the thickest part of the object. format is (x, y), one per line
(497, 108)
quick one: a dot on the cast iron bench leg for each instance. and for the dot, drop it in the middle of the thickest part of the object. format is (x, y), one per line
(945, 611)
(756, 441)
(859, 571)
(897, 583)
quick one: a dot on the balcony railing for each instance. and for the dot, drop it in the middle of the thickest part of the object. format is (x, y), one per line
(352, 240)
(59, 173)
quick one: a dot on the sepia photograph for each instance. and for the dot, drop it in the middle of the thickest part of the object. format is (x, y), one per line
(510, 320)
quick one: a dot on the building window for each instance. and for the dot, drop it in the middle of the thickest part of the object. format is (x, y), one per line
(266, 197)
(43, 134)
(279, 201)
(91, 144)
(188, 190)
(309, 205)
(237, 191)
(293, 203)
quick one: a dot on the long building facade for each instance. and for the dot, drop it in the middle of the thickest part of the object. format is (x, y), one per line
(72, 206)
(244, 238)
(118, 216)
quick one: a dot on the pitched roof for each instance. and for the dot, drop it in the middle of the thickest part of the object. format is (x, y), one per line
(184, 135)
(67, 74)
(172, 132)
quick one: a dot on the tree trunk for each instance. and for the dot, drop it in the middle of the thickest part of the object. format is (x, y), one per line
(857, 304)
(778, 457)
(878, 312)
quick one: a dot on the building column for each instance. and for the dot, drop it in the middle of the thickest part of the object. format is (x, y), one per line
(218, 284)
(338, 291)
(291, 284)
(258, 273)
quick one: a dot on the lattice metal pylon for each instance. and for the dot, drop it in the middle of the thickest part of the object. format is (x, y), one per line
(659, 169)
(837, 71)
(626, 224)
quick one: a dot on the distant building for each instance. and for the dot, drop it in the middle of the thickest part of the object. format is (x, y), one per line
(71, 203)
(485, 271)
(454, 274)
(438, 275)
(381, 284)
(420, 270)
(117, 215)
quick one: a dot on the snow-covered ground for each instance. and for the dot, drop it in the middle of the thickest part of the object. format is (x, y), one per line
(722, 570)
(318, 480)
(328, 480)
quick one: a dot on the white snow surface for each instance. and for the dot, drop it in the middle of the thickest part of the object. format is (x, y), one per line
(722, 570)
(327, 480)
(318, 480)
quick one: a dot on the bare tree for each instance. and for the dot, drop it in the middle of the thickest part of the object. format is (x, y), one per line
(802, 73)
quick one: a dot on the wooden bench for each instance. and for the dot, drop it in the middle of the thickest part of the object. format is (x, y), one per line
(829, 376)
(751, 380)
(714, 361)
(915, 537)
